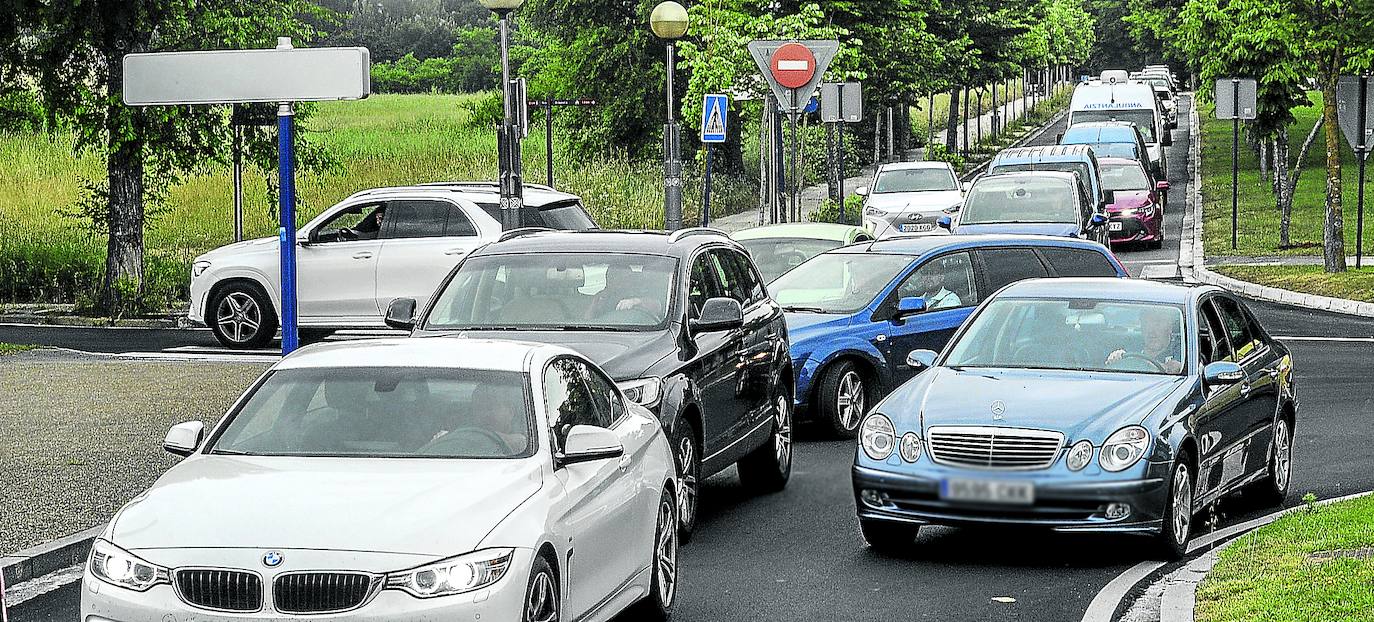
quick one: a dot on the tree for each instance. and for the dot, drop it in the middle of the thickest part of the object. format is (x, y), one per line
(74, 52)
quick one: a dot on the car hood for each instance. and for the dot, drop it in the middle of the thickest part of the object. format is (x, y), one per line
(934, 200)
(624, 355)
(259, 245)
(1060, 229)
(418, 506)
(1129, 199)
(1080, 404)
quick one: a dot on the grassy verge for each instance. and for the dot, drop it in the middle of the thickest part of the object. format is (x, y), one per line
(1351, 284)
(14, 348)
(1279, 573)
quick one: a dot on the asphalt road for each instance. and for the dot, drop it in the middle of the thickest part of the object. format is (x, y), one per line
(797, 555)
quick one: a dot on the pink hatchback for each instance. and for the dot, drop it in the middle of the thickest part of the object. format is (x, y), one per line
(1135, 204)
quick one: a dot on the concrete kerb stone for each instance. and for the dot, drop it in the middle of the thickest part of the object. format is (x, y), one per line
(48, 557)
(1195, 269)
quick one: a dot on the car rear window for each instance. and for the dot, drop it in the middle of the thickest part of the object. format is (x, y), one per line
(568, 215)
(1078, 262)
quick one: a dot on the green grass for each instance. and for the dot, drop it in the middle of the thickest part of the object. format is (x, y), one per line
(1352, 284)
(920, 117)
(1269, 575)
(1258, 229)
(14, 348)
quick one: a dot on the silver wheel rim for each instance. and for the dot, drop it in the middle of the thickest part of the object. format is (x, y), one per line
(542, 603)
(687, 489)
(849, 400)
(238, 317)
(1283, 455)
(1183, 504)
(782, 440)
(665, 558)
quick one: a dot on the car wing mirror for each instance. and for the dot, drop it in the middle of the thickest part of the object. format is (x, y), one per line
(719, 314)
(965, 186)
(1163, 185)
(946, 223)
(861, 191)
(921, 359)
(1222, 373)
(400, 314)
(184, 438)
(909, 306)
(587, 443)
(1098, 220)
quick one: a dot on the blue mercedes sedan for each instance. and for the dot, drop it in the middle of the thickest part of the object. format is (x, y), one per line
(1101, 405)
(855, 312)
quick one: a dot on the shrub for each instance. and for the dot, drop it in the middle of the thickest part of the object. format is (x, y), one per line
(829, 211)
(940, 153)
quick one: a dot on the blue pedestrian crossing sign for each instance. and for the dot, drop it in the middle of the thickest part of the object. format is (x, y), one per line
(715, 118)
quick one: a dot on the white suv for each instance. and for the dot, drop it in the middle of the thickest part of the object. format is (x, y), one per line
(358, 256)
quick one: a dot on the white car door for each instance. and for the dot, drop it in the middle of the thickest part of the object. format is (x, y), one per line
(424, 240)
(602, 509)
(336, 271)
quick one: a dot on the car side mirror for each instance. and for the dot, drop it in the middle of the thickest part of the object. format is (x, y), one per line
(946, 223)
(909, 306)
(184, 438)
(586, 443)
(1162, 186)
(921, 359)
(861, 191)
(1059, 139)
(400, 314)
(1222, 373)
(1098, 220)
(719, 314)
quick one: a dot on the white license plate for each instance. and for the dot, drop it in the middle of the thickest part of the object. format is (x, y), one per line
(918, 227)
(1113, 226)
(987, 491)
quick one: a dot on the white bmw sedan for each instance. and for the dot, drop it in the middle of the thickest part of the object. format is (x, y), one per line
(413, 479)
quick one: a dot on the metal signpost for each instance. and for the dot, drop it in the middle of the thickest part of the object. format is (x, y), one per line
(715, 122)
(548, 106)
(244, 116)
(841, 103)
(1353, 111)
(1236, 100)
(283, 76)
(794, 69)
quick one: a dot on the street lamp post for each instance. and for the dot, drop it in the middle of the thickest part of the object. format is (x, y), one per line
(509, 156)
(669, 22)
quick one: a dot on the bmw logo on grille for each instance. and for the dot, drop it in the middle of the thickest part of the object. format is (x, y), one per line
(272, 559)
(998, 409)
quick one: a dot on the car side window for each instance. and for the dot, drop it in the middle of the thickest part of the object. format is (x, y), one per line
(570, 400)
(702, 284)
(357, 222)
(738, 277)
(605, 397)
(1237, 325)
(1008, 265)
(458, 224)
(1212, 345)
(1078, 262)
(415, 219)
(945, 282)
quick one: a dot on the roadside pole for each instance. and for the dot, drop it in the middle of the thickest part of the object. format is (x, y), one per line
(238, 181)
(286, 171)
(1353, 114)
(1363, 154)
(548, 141)
(1236, 99)
(715, 119)
(842, 103)
(1235, 161)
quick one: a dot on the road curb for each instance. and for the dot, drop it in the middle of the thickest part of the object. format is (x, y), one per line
(48, 557)
(1195, 269)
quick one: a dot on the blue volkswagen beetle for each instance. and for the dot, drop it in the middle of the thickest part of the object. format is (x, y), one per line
(1082, 405)
(854, 313)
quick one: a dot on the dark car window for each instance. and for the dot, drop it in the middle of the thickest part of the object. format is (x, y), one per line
(358, 222)
(1213, 344)
(1004, 266)
(570, 400)
(703, 284)
(1021, 199)
(415, 219)
(1078, 262)
(566, 215)
(458, 224)
(1237, 325)
(945, 282)
(738, 277)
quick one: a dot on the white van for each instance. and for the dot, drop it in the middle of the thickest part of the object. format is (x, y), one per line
(1130, 101)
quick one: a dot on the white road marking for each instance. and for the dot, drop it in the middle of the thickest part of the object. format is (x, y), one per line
(1159, 272)
(1145, 261)
(33, 588)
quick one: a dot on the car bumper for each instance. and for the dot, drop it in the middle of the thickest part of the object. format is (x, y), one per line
(1137, 228)
(200, 294)
(805, 370)
(1061, 503)
(102, 602)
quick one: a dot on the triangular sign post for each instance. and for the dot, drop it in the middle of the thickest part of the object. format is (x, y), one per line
(793, 96)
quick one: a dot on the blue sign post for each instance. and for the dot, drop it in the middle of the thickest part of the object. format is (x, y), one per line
(715, 123)
(286, 172)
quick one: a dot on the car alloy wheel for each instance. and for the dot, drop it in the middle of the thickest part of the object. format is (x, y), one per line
(239, 317)
(851, 400)
(688, 470)
(541, 600)
(665, 554)
(782, 437)
(1182, 515)
(1283, 456)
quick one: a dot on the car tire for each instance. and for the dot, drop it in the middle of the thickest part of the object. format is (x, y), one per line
(657, 605)
(241, 316)
(768, 467)
(1273, 488)
(1176, 522)
(888, 537)
(687, 455)
(842, 399)
(541, 594)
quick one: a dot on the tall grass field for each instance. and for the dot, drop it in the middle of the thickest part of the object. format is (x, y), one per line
(385, 140)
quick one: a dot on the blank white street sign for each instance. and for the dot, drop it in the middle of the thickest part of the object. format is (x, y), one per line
(852, 104)
(1236, 93)
(244, 76)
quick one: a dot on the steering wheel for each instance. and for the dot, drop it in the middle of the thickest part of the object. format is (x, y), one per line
(487, 443)
(346, 234)
(1153, 363)
(640, 313)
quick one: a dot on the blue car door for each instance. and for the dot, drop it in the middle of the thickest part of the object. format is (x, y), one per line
(947, 285)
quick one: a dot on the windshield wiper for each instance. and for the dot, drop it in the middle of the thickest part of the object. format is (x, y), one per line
(590, 327)
(228, 452)
(798, 309)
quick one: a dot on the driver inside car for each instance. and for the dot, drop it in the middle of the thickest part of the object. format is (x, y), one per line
(493, 417)
(627, 290)
(932, 283)
(371, 226)
(1159, 328)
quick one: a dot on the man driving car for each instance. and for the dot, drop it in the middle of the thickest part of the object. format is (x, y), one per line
(1159, 328)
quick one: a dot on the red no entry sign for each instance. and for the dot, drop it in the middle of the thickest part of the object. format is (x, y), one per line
(793, 65)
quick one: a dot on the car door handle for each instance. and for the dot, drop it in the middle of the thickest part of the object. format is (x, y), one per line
(456, 251)
(363, 255)
(1245, 389)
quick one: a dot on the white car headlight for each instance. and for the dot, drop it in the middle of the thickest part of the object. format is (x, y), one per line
(910, 447)
(873, 211)
(456, 575)
(198, 268)
(116, 566)
(645, 391)
(878, 437)
(1080, 455)
(1124, 448)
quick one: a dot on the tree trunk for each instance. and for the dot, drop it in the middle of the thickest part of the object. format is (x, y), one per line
(1288, 182)
(1264, 157)
(1333, 231)
(952, 126)
(1282, 199)
(730, 156)
(125, 213)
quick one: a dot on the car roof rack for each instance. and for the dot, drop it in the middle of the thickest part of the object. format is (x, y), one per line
(691, 231)
(521, 232)
(479, 184)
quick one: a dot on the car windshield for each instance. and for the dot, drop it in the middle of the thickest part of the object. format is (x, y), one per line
(556, 291)
(1019, 200)
(1143, 118)
(1065, 166)
(1124, 177)
(774, 256)
(839, 283)
(1076, 334)
(383, 412)
(914, 180)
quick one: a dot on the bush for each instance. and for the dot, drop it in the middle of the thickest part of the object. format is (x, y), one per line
(20, 111)
(940, 153)
(829, 211)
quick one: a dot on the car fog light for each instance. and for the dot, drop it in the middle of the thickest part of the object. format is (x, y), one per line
(1118, 510)
(875, 499)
